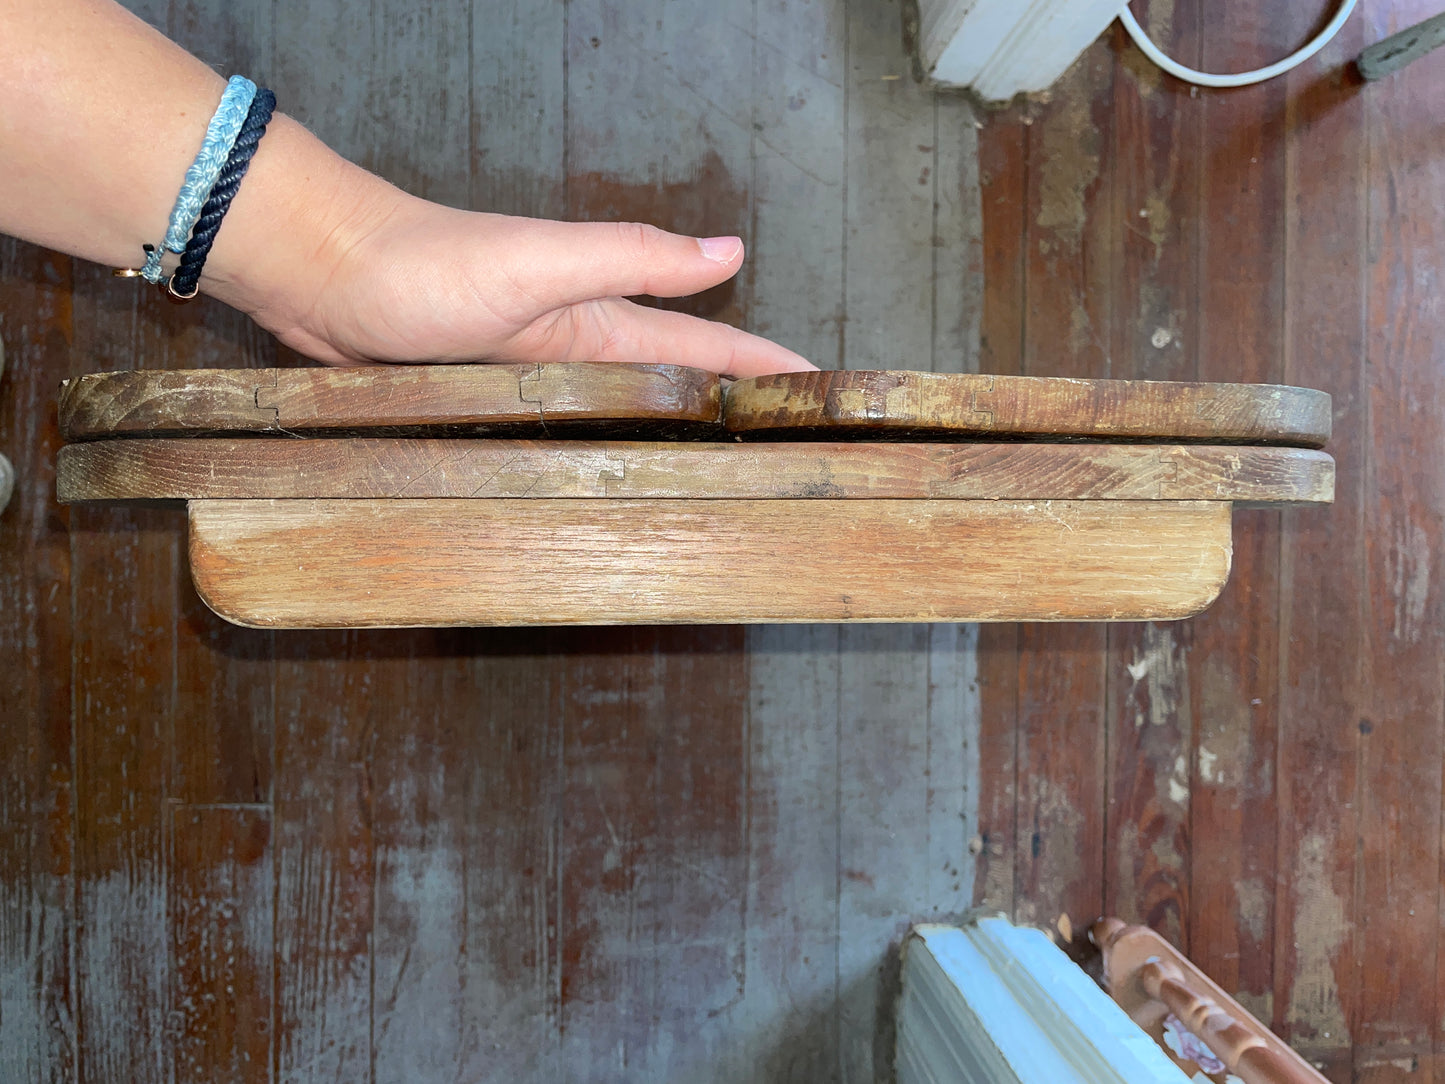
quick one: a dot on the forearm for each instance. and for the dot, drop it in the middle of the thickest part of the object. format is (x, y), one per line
(100, 115)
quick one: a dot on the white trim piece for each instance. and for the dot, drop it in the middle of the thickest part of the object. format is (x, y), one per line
(997, 1004)
(1005, 47)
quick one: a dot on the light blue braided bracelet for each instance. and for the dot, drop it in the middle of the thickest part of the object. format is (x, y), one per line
(201, 177)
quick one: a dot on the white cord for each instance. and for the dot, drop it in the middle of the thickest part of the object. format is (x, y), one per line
(1242, 79)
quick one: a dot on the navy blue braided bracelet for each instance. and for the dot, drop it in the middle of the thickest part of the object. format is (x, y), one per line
(184, 284)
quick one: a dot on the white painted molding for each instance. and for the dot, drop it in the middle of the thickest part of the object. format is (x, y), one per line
(1005, 47)
(994, 1003)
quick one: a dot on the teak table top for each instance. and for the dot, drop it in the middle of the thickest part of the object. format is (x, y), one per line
(401, 496)
(666, 402)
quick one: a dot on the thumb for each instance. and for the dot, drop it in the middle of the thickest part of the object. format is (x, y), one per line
(568, 262)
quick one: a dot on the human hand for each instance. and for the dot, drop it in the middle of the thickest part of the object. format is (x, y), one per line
(336, 262)
(410, 281)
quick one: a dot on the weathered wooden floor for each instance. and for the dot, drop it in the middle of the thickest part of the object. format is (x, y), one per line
(1263, 783)
(686, 854)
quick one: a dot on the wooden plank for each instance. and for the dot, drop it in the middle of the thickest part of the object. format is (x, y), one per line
(1322, 561)
(124, 562)
(909, 232)
(1066, 328)
(329, 695)
(219, 916)
(1002, 166)
(608, 1006)
(399, 996)
(691, 113)
(957, 239)
(497, 780)
(798, 163)
(485, 469)
(786, 1027)
(421, 761)
(518, 89)
(453, 399)
(331, 563)
(793, 877)
(907, 710)
(1229, 930)
(659, 104)
(38, 1028)
(890, 196)
(653, 926)
(221, 746)
(382, 85)
(504, 751)
(124, 566)
(1155, 214)
(915, 405)
(1398, 948)
(219, 912)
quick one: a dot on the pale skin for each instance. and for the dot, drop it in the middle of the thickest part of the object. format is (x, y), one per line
(100, 115)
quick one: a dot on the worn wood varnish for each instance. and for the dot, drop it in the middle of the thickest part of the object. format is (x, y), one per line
(898, 405)
(455, 399)
(403, 467)
(568, 399)
(310, 564)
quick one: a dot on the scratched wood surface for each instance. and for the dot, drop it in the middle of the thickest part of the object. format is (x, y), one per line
(323, 563)
(374, 467)
(444, 399)
(1259, 806)
(673, 853)
(902, 405)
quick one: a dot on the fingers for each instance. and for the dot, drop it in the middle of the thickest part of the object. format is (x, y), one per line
(616, 330)
(559, 263)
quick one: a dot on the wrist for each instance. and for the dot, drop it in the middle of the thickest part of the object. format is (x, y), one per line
(300, 213)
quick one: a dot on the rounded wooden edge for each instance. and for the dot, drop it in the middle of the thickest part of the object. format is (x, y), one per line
(221, 571)
(198, 549)
(153, 402)
(886, 404)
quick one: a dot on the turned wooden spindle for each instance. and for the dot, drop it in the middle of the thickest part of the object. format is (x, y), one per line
(1150, 979)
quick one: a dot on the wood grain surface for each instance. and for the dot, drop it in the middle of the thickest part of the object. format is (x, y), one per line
(518, 400)
(892, 405)
(1150, 287)
(314, 564)
(1257, 806)
(419, 467)
(1230, 927)
(1399, 947)
(1322, 907)
(1061, 740)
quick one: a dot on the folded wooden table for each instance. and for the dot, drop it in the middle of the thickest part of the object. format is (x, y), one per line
(612, 494)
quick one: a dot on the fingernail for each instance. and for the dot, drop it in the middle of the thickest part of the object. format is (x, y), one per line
(721, 249)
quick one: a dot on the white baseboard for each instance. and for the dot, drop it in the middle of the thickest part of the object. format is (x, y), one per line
(991, 1003)
(1000, 48)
